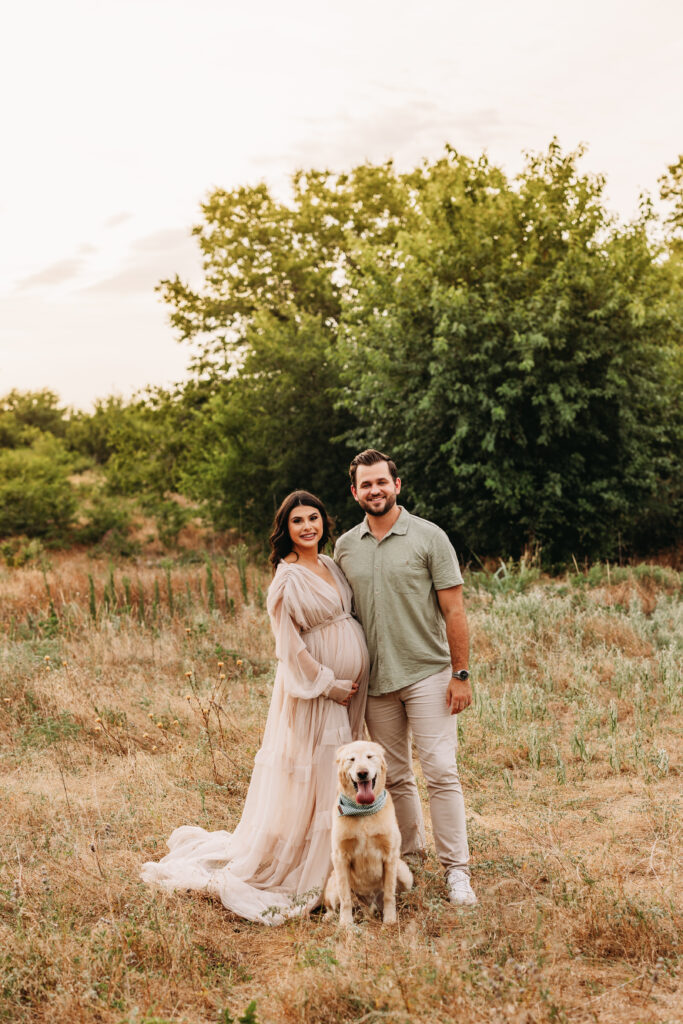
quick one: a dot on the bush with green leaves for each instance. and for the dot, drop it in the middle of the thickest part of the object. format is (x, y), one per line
(36, 497)
(27, 415)
(91, 434)
(19, 550)
(101, 515)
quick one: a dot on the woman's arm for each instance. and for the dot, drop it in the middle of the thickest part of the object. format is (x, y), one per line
(302, 675)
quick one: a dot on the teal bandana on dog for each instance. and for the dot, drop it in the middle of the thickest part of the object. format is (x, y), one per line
(346, 805)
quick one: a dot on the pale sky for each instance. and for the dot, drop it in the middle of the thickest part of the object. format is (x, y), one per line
(117, 117)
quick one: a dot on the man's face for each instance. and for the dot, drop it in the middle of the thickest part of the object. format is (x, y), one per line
(375, 489)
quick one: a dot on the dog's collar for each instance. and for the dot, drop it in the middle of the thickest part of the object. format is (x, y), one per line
(345, 805)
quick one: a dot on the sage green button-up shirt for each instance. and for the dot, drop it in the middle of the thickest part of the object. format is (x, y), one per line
(394, 583)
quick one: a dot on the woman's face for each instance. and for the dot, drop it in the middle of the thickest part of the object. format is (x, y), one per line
(305, 525)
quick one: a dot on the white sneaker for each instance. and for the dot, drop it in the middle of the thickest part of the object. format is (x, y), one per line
(460, 892)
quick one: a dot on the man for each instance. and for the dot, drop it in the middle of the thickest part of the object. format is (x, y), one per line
(407, 589)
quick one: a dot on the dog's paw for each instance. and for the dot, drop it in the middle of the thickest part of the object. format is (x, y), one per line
(406, 879)
(389, 916)
(346, 919)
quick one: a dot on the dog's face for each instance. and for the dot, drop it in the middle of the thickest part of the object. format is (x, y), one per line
(362, 771)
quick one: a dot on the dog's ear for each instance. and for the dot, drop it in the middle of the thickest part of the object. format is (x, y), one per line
(340, 754)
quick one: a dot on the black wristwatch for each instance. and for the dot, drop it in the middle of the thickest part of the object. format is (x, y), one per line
(463, 674)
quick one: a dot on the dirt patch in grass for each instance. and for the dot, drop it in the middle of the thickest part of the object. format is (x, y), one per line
(599, 630)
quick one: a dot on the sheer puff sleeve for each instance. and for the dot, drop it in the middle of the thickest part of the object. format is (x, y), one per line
(302, 676)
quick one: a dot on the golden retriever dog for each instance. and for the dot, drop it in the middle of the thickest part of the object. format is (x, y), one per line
(366, 842)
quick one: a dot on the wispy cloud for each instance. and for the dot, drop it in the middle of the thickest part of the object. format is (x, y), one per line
(131, 280)
(116, 219)
(55, 273)
(162, 254)
(163, 241)
(403, 128)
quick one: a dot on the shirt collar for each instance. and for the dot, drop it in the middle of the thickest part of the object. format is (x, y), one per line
(400, 526)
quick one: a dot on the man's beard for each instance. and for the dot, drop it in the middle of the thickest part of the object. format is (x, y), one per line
(389, 503)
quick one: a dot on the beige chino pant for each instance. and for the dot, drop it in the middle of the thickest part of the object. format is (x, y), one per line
(421, 709)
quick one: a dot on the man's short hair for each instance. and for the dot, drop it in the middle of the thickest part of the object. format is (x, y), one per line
(368, 458)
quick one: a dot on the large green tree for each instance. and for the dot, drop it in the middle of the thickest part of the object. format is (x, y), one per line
(263, 410)
(513, 348)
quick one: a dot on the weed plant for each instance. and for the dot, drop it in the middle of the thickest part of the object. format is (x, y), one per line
(132, 704)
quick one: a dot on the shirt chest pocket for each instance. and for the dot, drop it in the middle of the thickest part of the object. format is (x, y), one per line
(407, 576)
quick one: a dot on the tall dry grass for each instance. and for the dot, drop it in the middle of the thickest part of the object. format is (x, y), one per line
(127, 708)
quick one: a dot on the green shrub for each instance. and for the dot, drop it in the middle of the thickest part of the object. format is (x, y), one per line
(170, 518)
(36, 498)
(91, 434)
(18, 551)
(26, 415)
(510, 577)
(104, 515)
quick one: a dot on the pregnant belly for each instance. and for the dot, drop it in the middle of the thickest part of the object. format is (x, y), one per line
(341, 646)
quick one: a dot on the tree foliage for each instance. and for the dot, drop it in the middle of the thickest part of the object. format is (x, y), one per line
(511, 345)
(25, 415)
(42, 446)
(514, 350)
(514, 347)
(262, 415)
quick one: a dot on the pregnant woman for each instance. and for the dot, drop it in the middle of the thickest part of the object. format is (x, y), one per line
(276, 862)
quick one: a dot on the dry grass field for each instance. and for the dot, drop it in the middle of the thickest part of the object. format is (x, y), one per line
(132, 700)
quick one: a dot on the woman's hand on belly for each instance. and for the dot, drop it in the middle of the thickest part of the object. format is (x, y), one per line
(342, 691)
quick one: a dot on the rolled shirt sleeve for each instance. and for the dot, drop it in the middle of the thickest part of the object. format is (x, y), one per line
(443, 562)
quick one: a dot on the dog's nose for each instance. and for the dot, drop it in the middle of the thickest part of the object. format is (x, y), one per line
(363, 775)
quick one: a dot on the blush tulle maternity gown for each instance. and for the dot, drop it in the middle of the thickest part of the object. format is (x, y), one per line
(276, 862)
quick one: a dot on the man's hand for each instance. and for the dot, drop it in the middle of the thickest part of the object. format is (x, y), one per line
(458, 695)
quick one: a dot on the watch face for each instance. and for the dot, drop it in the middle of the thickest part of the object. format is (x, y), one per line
(462, 674)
